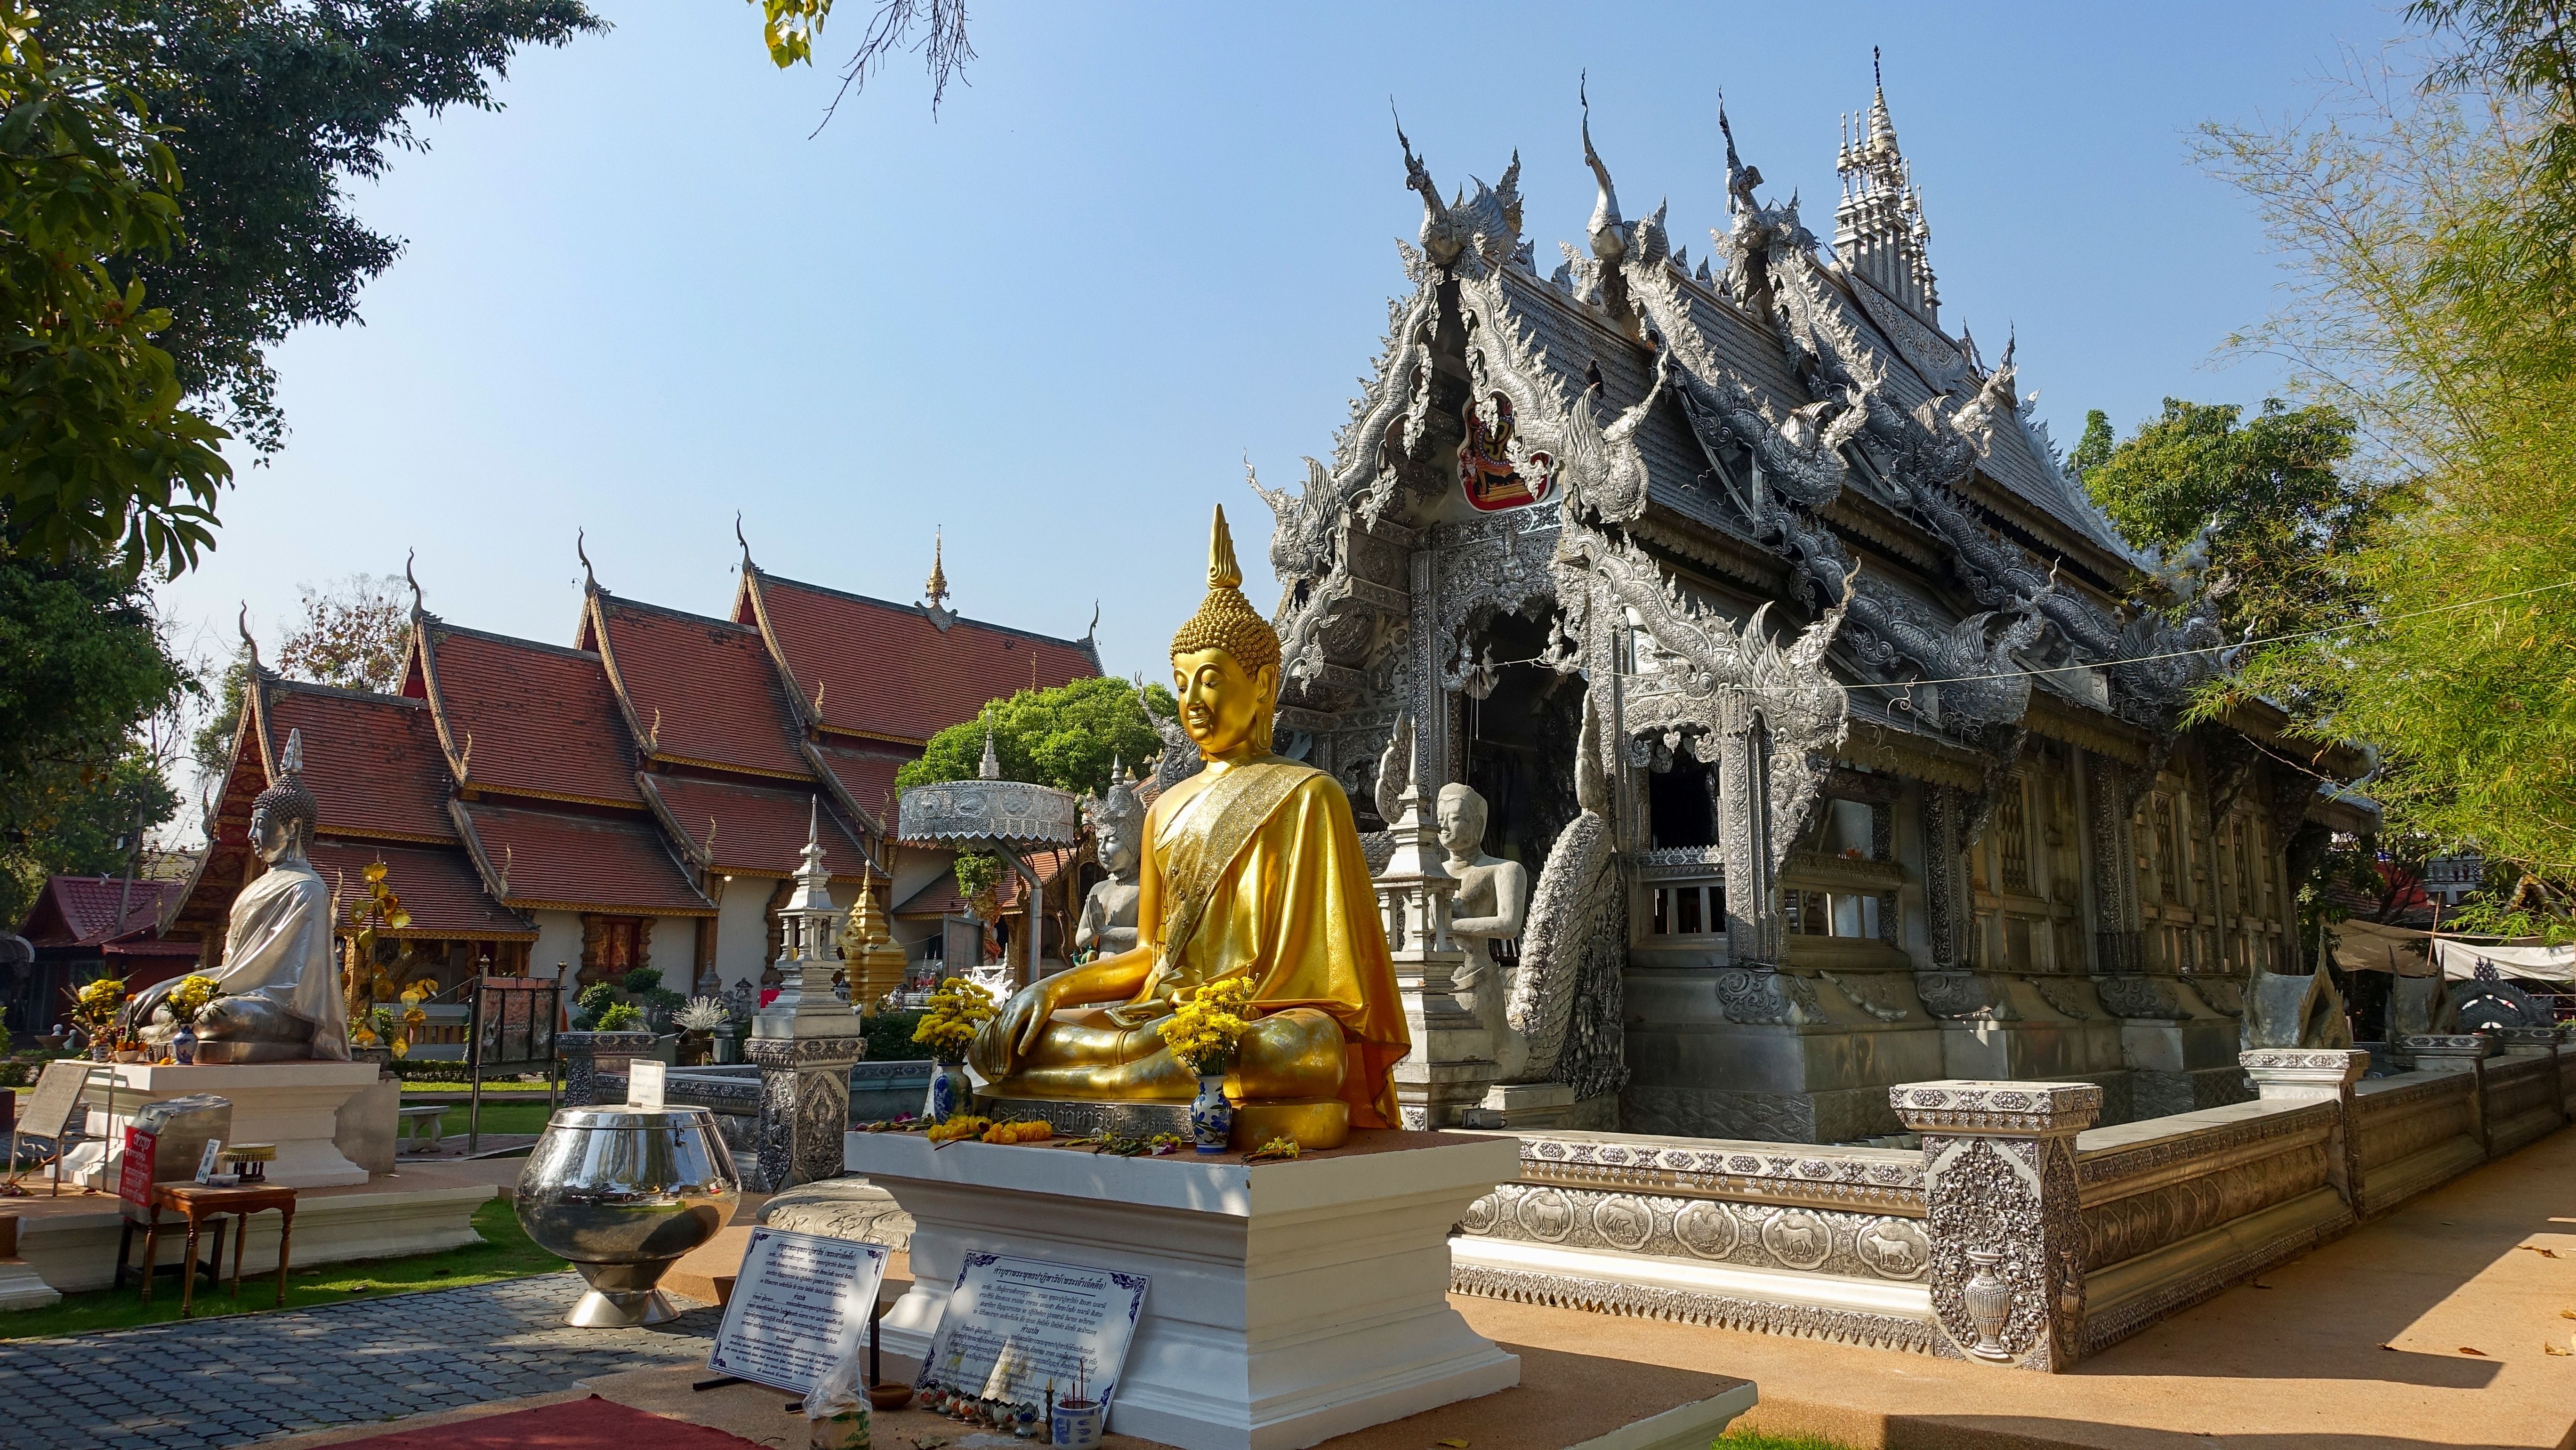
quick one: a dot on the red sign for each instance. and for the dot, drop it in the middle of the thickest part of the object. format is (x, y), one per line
(134, 1185)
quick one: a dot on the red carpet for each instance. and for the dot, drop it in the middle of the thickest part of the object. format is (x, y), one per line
(591, 1424)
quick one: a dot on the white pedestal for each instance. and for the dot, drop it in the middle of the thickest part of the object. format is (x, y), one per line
(1291, 1302)
(295, 1105)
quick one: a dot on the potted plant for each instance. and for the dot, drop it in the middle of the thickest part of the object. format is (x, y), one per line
(94, 1013)
(698, 1021)
(186, 1001)
(957, 1011)
(1204, 1028)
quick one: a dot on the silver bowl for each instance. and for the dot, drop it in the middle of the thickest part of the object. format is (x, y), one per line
(622, 1193)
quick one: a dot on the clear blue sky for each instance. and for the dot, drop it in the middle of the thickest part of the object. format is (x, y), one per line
(1145, 240)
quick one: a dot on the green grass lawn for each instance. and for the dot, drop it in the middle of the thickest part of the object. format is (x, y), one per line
(501, 1117)
(505, 1253)
(1740, 1438)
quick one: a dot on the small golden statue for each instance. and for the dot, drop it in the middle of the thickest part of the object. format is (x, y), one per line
(1251, 868)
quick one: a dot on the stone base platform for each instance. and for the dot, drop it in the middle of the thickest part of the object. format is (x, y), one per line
(295, 1105)
(70, 1241)
(1290, 1302)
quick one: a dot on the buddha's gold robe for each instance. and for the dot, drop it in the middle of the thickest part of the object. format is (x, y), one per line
(1257, 870)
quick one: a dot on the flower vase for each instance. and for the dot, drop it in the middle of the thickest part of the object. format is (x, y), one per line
(101, 1051)
(948, 1091)
(1211, 1116)
(183, 1044)
(1988, 1300)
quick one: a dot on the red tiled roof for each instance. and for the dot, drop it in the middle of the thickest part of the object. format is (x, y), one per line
(698, 689)
(586, 862)
(758, 828)
(82, 910)
(372, 760)
(439, 888)
(542, 719)
(886, 670)
(867, 775)
(941, 897)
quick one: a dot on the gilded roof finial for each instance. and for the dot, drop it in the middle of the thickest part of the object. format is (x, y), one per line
(935, 588)
(408, 578)
(250, 645)
(580, 538)
(739, 539)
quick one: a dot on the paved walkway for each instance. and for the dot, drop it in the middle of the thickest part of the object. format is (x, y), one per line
(229, 1381)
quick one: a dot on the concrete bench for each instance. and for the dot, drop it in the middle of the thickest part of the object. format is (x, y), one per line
(416, 1121)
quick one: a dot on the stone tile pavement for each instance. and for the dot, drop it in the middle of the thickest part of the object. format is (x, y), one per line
(228, 1381)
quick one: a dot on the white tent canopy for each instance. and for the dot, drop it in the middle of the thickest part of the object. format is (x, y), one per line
(2461, 961)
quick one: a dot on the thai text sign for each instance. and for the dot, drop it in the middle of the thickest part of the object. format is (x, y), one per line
(134, 1180)
(792, 1300)
(1019, 1330)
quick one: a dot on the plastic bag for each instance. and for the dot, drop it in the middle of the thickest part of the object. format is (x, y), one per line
(836, 1408)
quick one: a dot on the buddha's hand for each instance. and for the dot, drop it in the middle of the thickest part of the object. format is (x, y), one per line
(1017, 1032)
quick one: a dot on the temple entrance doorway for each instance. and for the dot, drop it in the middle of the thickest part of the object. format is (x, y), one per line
(1520, 743)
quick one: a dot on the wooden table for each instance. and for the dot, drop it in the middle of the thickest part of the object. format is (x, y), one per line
(197, 1202)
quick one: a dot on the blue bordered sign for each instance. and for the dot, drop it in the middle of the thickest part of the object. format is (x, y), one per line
(1013, 1327)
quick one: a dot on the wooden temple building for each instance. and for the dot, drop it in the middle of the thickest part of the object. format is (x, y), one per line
(641, 795)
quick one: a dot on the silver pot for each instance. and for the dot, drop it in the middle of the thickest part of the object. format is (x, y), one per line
(623, 1193)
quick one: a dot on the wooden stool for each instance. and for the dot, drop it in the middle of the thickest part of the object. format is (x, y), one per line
(197, 1202)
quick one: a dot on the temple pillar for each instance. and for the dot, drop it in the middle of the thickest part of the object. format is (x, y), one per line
(2007, 1231)
(1753, 909)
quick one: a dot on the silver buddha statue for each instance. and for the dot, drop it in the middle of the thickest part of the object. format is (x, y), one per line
(1108, 924)
(1493, 894)
(278, 988)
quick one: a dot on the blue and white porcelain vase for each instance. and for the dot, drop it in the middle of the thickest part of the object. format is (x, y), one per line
(948, 1090)
(1211, 1116)
(183, 1046)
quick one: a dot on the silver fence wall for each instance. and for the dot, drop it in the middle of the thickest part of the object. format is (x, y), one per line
(2013, 1235)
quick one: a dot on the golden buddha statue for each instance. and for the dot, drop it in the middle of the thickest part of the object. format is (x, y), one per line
(1251, 868)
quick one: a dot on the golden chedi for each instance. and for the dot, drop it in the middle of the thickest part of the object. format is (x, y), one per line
(1251, 868)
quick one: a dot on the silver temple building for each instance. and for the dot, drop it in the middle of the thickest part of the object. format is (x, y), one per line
(1890, 769)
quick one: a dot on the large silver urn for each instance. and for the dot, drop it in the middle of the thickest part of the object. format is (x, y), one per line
(623, 1193)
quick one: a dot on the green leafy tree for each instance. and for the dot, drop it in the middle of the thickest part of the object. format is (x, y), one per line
(1065, 737)
(97, 455)
(2265, 496)
(89, 676)
(269, 108)
(2419, 306)
(355, 634)
(210, 748)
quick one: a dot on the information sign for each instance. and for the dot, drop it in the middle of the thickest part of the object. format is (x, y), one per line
(645, 1079)
(792, 1299)
(134, 1180)
(1016, 1330)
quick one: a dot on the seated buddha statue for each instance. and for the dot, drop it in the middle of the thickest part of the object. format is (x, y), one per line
(1252, 868)
(278, 982)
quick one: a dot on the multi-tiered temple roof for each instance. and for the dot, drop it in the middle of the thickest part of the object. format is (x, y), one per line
(628, 774)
